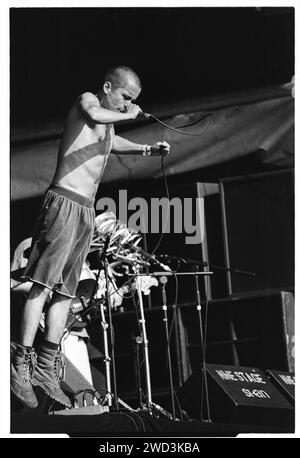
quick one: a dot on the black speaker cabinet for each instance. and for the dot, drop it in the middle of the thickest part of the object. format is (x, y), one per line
(237, 394)
(285, 383)
(258, 224)
(250, 330)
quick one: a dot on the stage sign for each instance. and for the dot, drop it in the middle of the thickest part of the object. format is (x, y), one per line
(245, 385)
(236, 395)
(285, 382)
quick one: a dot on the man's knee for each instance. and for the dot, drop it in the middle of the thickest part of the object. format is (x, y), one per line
(38, 290)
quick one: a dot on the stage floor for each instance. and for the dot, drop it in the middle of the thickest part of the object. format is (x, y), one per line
(132, 424)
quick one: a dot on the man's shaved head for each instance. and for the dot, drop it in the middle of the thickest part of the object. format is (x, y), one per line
(119, 76)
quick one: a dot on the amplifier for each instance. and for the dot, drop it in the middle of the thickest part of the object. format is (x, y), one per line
(285, 382)
(237, 394)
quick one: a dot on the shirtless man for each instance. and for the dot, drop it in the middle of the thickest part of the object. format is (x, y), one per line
(64, 228)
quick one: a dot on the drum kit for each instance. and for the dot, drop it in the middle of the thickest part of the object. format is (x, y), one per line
(118, 256)
(117, 244)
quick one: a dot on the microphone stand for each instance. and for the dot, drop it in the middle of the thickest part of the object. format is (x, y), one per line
(108, 361)
(204, 385)
(145, 340)
(235, 271)
(108, 298)
(170, 258)
(232, 270)
(138, 275)
(198, 263)
(137, 342)
(163, 280)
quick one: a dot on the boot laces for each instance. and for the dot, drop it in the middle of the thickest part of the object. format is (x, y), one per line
(29, 365)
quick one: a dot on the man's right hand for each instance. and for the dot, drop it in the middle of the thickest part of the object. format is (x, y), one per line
(133, 111)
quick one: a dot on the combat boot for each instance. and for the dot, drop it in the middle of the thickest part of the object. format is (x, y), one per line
(22, 369)
(48, 374)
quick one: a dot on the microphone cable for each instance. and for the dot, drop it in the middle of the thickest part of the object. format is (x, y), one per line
(176, 129)
(168, 210)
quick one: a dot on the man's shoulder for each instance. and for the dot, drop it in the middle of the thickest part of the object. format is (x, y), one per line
(88, 96)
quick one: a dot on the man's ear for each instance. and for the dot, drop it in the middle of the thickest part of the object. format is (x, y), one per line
(106, 87)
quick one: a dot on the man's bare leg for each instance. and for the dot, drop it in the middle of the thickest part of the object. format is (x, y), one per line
(32, 313)
(56, 317)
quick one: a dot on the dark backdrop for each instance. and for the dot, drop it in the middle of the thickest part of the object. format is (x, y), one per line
(180, 53)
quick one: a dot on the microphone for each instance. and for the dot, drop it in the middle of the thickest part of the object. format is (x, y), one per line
(157, 150)
(144, 115)
(152, 259)
(163, 280)
(169, 258)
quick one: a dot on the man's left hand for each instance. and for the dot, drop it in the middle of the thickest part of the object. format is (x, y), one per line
(160, 149)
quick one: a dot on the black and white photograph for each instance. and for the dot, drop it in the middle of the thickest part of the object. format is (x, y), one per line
(150, 274)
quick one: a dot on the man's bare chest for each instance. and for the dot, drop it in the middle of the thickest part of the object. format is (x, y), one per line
(97, 133)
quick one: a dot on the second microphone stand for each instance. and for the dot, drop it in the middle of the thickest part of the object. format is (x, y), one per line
(145, 342)
(150, 405)
(109, 362)
(163, 280)
(204, 385)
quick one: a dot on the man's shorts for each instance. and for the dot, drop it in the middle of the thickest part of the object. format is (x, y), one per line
(61, 240)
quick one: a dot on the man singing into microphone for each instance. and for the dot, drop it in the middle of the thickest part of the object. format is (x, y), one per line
(64, 228)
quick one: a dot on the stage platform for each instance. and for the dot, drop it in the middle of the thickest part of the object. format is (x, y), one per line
(128, 423)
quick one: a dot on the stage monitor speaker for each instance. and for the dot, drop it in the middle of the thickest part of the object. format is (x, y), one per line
(285, 383)
(258, 228)
(237, 394)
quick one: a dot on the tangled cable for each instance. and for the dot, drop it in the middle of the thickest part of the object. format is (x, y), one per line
(176, 129)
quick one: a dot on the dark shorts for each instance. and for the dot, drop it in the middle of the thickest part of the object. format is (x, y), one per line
(60, 241)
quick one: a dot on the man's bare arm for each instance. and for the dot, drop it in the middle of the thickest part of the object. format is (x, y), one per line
(123, 146)
(92, 111)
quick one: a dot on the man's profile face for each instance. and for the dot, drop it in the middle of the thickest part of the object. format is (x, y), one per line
(119, 97)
